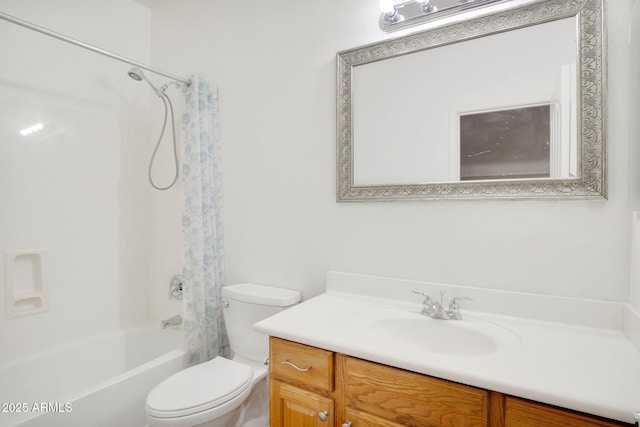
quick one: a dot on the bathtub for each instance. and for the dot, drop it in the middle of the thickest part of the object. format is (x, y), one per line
(102, 381)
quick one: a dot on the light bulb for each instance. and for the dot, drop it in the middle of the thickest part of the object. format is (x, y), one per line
(387, 6)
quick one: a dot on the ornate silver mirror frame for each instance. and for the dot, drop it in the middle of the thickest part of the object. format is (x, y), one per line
(591, 182)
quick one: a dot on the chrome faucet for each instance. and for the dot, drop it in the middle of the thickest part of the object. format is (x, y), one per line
(172, 321)
(175, 287)
(436, 310)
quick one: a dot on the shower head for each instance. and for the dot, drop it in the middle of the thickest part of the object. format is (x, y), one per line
(137, 74)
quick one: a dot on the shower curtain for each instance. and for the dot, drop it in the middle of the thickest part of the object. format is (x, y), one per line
(203, 268)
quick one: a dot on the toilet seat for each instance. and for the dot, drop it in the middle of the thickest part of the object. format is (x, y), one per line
(199, 388)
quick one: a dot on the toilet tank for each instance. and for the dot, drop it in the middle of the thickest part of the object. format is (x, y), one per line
(248, 303)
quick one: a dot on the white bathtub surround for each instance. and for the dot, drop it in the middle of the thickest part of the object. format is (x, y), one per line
(77, 186)
(568, 352)
(202, 225)
(103, 380)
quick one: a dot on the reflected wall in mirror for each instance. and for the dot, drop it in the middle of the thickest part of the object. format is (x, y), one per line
(508, 105)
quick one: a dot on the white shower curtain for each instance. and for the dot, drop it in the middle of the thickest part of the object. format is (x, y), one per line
(203, 269)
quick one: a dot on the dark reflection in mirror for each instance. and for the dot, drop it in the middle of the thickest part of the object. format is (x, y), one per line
(506, 144)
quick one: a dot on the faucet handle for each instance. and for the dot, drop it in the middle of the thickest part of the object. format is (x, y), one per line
(454, 307)
(175, 287)
(454, 300)
(427, 298)
(426, 304)
(423, 293)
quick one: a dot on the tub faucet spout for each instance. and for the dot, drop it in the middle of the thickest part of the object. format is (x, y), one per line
(172, 321)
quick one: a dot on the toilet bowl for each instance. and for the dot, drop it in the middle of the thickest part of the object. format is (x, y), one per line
(225, 392)
(209, 394)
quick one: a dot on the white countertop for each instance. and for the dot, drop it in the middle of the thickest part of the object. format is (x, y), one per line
(588, 369)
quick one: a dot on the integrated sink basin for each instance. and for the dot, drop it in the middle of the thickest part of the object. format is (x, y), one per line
(416, 332)
(436, 336)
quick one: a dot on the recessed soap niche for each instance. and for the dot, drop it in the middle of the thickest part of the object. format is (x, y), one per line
(25, 290)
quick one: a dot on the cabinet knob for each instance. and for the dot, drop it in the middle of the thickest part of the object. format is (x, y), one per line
(324, 415)
(347, 424)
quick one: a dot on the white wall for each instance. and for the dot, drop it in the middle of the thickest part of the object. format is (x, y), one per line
(634, 147)
(78, 188)
(275, 65)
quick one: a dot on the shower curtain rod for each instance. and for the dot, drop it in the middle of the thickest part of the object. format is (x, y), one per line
(87, 46)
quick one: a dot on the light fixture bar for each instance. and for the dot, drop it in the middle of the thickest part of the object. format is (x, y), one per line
(416, 12)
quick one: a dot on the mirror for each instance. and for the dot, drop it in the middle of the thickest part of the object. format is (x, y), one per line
(508, 105)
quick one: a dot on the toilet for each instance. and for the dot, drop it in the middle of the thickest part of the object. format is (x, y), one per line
(225, 392)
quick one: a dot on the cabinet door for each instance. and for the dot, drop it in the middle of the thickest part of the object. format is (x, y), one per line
(294, 407)
(523, 413)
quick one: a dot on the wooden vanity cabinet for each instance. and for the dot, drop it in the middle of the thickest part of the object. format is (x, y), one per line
(312, 387)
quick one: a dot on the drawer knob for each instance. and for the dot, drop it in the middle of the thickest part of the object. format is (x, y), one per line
(286, 362)
(324, 415)
(347, 424)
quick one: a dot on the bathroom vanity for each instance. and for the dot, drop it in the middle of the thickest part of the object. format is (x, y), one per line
(354, 356)
(315, 387)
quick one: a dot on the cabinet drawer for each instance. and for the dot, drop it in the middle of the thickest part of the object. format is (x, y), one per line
(408, 398)
(314, 366)
(523, 413)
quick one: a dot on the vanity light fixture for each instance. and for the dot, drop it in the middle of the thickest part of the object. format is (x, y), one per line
(415, 12)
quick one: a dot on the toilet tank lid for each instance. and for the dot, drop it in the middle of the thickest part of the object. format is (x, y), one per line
(261, 294)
